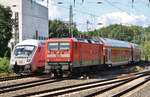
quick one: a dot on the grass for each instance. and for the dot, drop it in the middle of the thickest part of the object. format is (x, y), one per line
(4, 66)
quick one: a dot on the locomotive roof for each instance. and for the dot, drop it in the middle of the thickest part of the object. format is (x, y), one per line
(85, 40)
(90, 40)
(30, 42)
(115, 43)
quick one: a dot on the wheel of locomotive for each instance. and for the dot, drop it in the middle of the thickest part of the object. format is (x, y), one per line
(16, 69)
(51, 74)
(60, 73)
(21, 69)
(29, 70)
(109, 65)
(67, 74)
(57, 73)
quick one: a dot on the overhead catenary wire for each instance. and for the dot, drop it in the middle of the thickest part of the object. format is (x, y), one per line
(76, 9)
(115, 6)
(91, 14)
(122, 10)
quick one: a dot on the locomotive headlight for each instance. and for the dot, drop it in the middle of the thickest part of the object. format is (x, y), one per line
(51, 55)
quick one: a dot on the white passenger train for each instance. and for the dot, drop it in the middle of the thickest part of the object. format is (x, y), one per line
(28, 56)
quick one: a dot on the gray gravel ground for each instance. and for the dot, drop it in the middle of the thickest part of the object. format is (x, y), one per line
(83, 93)
(45, 87)
(12, 82)
(143, 92)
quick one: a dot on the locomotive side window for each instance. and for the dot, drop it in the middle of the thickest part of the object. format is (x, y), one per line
(64, 46)
(53, 46)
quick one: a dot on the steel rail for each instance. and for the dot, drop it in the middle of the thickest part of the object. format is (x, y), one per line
(15, 77)
(131, 88)
(115, 86)
(27, 85)
(98, 83)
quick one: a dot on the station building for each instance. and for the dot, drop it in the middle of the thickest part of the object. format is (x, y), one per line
(31, 20)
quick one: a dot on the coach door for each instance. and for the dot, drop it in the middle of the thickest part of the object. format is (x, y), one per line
(109, 56)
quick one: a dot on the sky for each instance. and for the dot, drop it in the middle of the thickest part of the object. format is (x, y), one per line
(100, 14)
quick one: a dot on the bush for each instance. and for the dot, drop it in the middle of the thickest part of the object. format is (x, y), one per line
(7, 53)
(4, 65)
(136, 69)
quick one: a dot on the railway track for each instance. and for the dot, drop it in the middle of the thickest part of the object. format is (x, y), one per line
(74, 88)
(68, 90)
(29, 84)
(123, 93)
(112, 92)
(15, 77)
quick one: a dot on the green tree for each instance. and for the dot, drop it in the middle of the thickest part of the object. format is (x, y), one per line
(117, 31)
(59, 28)
(137, 33)
(121, 32)
(146, 43)
(5, 28)
(147, 33)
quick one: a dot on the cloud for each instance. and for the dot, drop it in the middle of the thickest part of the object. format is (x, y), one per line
(54, 12)
(123, 18)
(85, 22)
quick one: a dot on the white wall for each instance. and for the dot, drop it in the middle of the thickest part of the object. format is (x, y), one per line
(34, 18)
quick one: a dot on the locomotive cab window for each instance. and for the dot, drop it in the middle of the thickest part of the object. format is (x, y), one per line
(24, 51)
(59, 46)
(53, 46)
(64, 46)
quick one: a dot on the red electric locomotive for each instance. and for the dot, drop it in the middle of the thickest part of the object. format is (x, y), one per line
(65, 55)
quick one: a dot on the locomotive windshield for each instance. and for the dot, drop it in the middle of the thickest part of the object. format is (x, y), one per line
(59, 46)
(24, 51)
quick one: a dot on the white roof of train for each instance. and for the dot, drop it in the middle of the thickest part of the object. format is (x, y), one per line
(30, 42)
(115, 43)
